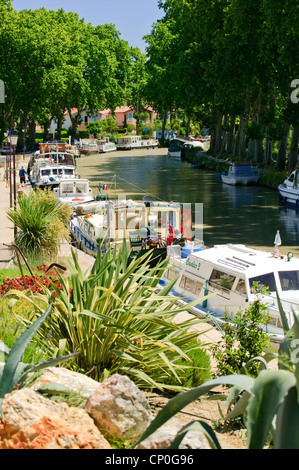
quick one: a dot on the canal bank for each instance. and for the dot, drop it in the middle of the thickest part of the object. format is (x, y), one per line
(269, 177)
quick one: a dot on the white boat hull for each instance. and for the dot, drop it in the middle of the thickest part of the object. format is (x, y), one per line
(240, 180)
(289, 195)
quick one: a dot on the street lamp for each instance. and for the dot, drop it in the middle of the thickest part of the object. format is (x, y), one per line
(13, 140)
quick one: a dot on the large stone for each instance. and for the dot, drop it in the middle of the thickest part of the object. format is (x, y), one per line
(163, 437)
(31, 421)
(73, 381)
(120, 408)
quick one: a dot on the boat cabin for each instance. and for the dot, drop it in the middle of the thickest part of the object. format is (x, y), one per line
(74, 191)
(231, 273)
(128, 142)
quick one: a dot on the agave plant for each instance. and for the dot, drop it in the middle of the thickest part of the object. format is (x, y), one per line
(14, 373)
(269, 403)
(118, 320)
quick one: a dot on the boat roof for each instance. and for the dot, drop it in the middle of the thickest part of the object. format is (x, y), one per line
(249, 261)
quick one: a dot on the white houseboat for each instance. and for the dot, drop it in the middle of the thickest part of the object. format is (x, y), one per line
(105, 146)
(74, 192)
(229, 273)
(54, 162)
(131, 142)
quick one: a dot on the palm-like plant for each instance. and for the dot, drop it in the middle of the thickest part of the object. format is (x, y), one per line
(42, 224)
(118, 321)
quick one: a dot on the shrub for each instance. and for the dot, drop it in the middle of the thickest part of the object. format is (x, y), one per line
(193, 373)
(243, 338)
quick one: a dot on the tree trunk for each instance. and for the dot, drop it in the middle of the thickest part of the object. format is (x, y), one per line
(75, 122)
(282, 150)
(267, 158)
(32, 127)
(293, 153)
(218, 134)
(240, 147)
(60, 120)
(164, 121)
(188, 126)
(46, 129)
(230, 136)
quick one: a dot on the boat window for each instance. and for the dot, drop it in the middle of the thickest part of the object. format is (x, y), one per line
(80, 188)
(266, 280)
(45, 172)
(68, 171)
(221, 279)
(289, 280)
(54, 171)
(241, 286)
(191, 285)
(170, 274)
(67, 188)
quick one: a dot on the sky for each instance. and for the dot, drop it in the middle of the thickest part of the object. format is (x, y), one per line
(132, 18)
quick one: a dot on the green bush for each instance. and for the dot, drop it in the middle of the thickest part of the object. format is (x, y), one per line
(193, 373)
(243, 338)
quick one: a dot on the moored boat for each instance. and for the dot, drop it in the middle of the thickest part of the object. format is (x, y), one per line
(88, 147)
(178, 146)
(74, 192)
(289, 189)
(240, 174)
(230, 273)
(128, 142)
(143, 224)
(105, 146)
(54, 162)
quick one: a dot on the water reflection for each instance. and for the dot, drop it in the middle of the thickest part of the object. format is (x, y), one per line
(249, 214)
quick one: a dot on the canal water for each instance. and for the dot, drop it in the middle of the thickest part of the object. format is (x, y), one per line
(249, 215)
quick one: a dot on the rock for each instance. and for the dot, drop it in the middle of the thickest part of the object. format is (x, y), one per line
(120, 408)
(31, 421)
(163, 437)
(73, 381)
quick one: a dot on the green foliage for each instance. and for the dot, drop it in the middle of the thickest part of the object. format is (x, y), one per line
(42, 223)
(193, 373)
(14, 372)
(118, 322)
(244, 338)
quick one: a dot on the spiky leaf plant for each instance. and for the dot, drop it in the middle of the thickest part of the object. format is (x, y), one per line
(119, 321)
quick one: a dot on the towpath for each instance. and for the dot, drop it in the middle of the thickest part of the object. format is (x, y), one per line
(6, 226)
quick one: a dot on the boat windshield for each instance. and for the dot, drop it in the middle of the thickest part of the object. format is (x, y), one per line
(267, 280)
(289, 280)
